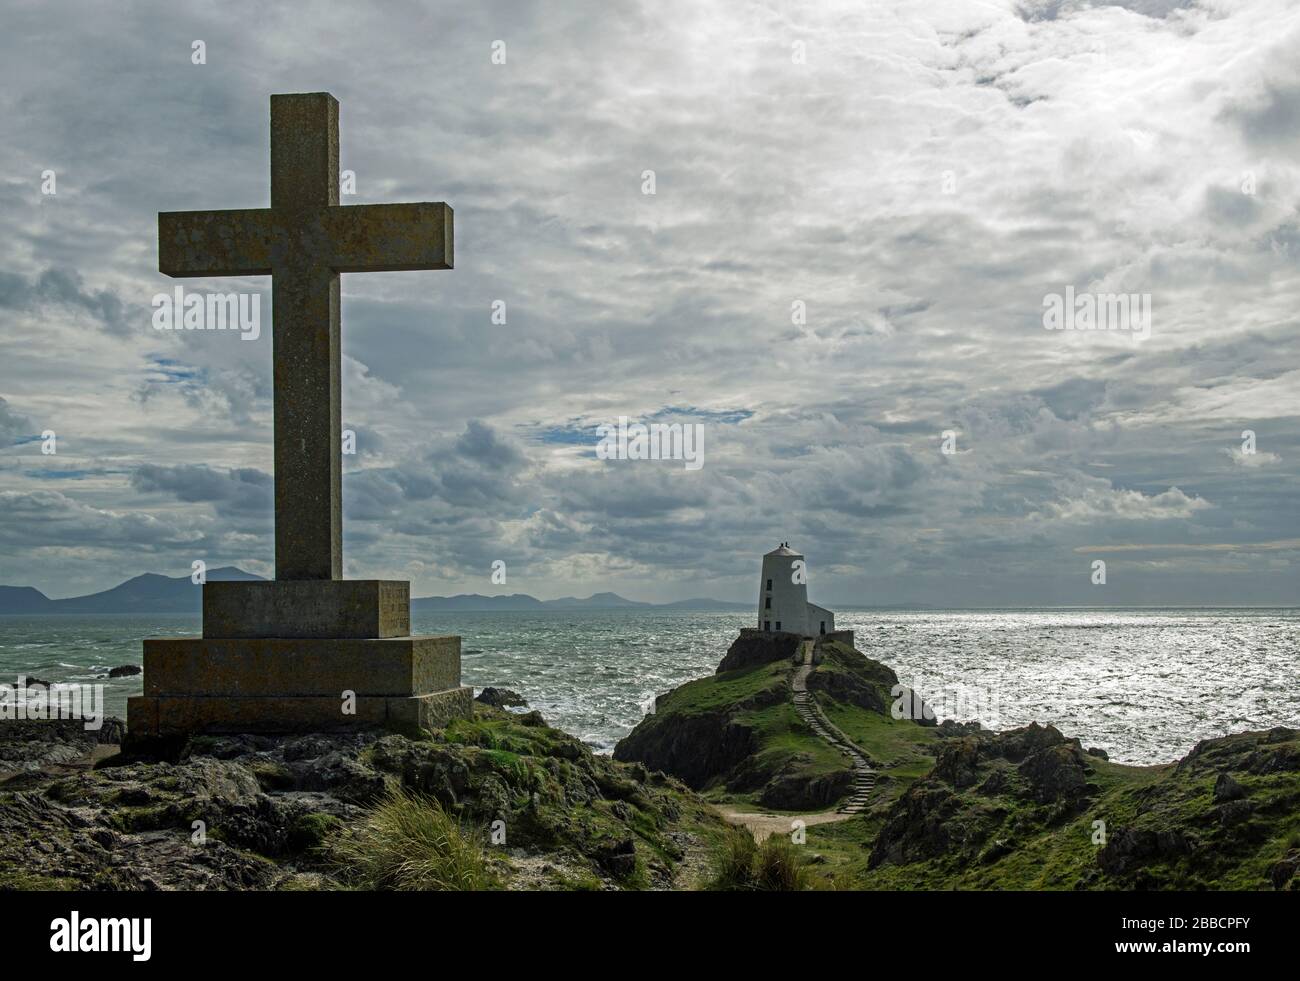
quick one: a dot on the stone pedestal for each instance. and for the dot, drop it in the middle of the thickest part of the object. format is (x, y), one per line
(300, 656)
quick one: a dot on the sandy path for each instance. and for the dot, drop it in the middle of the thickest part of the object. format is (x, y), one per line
(762, 825)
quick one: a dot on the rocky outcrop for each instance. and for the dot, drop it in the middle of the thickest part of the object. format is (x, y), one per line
(1210, 820)
(947, 813)
(501, 698)
(27, 745)
(1129, 848)
(797, 790)
(697, 748)
(861, 690)
(728, 733)
(1226, 789)
(260, 812)
(754, 648)
(1259, 753)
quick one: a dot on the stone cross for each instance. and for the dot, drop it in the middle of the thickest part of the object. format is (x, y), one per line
(310, 651)
(304, 240)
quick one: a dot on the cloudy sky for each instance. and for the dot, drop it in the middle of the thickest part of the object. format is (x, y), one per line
(916, 177)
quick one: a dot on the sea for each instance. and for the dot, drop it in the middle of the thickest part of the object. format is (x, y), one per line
(1144, 685)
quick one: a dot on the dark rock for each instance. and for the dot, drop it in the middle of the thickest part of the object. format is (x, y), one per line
(853, 689)
(307, 747)
(1088, 880)
(997, 783)
(104, 838)
(1017, 744)
(501, 698)
(694, 748)
(125, 671)
(266, 803)
(617, 858)
(225, 747)
(997, 849)
(798, 791)
(1226, 789)
(957, 762)
(952, 729)
(1284, 759)
(1285, 871)
(1131, 847)
(260, 823)
(1098, 752)
(136, 795)
(1056, 773)
(919, 826)
(32, 744)
(1234, 812)
(432, 769)
(1254, 752)
(343, 776)
(752, 649)
(221, 780)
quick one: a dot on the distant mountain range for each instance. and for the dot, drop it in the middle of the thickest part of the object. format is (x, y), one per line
(152, 593)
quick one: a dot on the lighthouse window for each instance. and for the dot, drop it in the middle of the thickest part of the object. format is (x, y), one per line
(767, 624)
(769, 585)
(778, 625)
(767, 603)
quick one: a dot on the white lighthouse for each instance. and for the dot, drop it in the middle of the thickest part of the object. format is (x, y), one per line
(783, 596)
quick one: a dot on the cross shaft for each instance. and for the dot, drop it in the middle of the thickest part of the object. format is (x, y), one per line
(304, 241)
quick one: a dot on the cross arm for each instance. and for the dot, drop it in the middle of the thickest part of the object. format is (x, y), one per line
(216, 243)
(389, 237)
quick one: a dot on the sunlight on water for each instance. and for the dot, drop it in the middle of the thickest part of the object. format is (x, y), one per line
(1145, 686)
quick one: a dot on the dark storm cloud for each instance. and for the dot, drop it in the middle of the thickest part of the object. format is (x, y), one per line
(242, 490)
(1272, 119)
(58, 287)
(483, 445)
(44, 520)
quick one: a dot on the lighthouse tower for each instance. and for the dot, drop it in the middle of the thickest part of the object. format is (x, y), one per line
(783, 596)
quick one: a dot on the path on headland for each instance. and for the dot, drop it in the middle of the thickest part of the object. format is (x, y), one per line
(761, 825)
(864, 777)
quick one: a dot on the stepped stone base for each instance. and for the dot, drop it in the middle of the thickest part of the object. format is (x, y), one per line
(395, 666)
(300, 656)
(174, 715)
(320, 608)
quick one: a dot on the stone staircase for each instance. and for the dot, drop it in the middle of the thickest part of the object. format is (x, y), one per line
(864, 777)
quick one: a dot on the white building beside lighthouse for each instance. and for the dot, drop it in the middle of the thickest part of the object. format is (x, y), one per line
(783, 596)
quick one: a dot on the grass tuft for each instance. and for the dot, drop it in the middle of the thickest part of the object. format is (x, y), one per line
(741, 864)
(410, 843)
